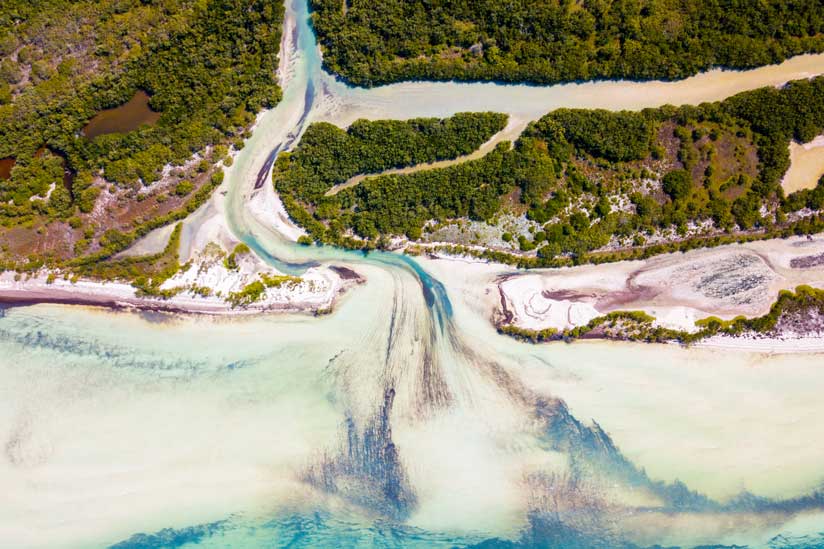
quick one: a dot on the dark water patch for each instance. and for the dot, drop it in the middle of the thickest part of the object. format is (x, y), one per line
(123, 119)
(6, 164)
(546, 532)
(434, 292)
(815, 541)
(321, 529)
(345, 273)
(308, 101)
(262, 176)
(238, 364)
(592, 451)
(294, 269)
(38, 335)
(170, 538)
(157, 317)
(311, 530)
(367, 469)
(33, 333)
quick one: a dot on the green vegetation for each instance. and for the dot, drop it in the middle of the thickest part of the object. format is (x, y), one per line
(114, 241)
(184, 188)
(371, 43)
(677, 184)
(230, 262)
(586, 177)
(805, 298)
(638, 326)
(807, 225)
(207, 66)
(630, 325)
(254, 291)
(328, 156)
(147, 273)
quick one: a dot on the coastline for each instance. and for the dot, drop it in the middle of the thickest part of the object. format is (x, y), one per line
(784, 344)
(675, 290)
(311, 298)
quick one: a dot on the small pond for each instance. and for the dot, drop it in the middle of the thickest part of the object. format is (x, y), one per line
(123, 119)
(6, 164)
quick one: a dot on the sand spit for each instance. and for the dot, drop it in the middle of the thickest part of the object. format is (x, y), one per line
(203, 287)
(677, 289)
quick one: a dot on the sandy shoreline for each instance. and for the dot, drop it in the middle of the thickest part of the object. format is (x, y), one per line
(727, 281)
(787, 344)
(318, 291)
(806, 165)
(676, 289)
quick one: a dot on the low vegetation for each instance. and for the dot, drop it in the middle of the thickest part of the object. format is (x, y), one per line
(207, 67)
(230, 262)
(255, 291)
(146, 273)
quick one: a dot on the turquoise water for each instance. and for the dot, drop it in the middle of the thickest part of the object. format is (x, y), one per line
(401, 420)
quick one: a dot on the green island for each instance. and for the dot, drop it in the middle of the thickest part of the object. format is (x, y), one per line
(329, 156)
(134, 118)
(594, 185)
(372, 43)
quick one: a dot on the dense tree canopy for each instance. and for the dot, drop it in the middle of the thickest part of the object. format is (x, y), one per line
(207, 66)
(585, 176)
(328, 155)
(545, 41)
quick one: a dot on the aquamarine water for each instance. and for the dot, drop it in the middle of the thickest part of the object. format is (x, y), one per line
(403, 419)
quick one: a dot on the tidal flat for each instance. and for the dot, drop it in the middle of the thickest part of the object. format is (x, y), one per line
(401, 419)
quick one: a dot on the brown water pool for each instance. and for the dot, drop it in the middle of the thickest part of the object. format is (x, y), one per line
(125, 118)
(6, 164)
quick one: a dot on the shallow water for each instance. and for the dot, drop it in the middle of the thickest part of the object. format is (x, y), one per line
(403, 419)
(127, 117)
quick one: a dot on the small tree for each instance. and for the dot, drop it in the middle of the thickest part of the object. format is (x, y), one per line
(677, 184)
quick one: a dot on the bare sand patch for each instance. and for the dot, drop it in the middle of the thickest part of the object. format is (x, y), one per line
(806, 165)
(677, 289)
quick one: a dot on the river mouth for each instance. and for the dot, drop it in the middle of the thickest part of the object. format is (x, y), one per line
(396, 397)
(123, 119)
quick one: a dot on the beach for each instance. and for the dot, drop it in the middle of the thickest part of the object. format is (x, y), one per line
(317, 291)
(677, 289)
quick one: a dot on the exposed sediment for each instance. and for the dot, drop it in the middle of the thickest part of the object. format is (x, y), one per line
(675, 289)
(202, 287)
